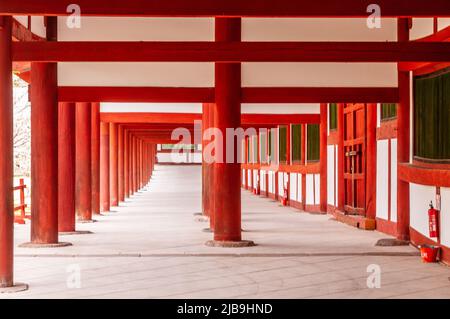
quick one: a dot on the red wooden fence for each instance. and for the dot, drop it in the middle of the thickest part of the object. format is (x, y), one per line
(20, 219)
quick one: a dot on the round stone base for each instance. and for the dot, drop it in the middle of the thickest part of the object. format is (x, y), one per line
(35, 245)
(86, 221)
(18, 287)
(391, 242)
(230, 244)
(77, 232)
(207, 230)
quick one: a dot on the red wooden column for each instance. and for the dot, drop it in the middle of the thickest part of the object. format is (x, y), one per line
(113, 165)
(205, 165)
(323, 156)
(104, 167)
(66, 171)
(6, 162)
(95, 157)
(288, 158)
(126, 166)
(403, 135)
(44, 151)
(120, 164)
(303, 162)
(133, 163)
(341, 159)
(227, 114)
(371, 158)
(83, 183)
(140, 163)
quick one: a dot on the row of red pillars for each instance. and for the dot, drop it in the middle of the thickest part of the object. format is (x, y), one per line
(76, 171)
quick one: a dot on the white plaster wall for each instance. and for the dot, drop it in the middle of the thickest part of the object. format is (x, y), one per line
(249, 177)
(379, 115)
(159, 74)
(38, 27)
(330, 175)
(271, 181)
(317, 193)
(262, 178)
(299, 187)
(382, 210)
(288, 108)
(280, 184)
(316, 29)
(443, 23)
(394, 180)
(151, 107)
(420, 197)
(138, 29)
(255, 178)
(422, 27)
(445, 216)
(23, 20)
(267, 74)
(312, 189)
(293, 187)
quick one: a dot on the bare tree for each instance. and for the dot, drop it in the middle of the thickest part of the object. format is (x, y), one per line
(22, 128)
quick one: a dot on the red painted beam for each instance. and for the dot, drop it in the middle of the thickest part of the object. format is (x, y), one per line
(249, 94)
(229, 8)
(231, 51)
(136, 94)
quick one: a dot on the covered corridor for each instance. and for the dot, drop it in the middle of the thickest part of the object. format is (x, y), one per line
(151, 246)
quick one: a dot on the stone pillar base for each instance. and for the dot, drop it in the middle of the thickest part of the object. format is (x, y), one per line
(37, 245)
(77, 232)
(18, 287)
(230, 244)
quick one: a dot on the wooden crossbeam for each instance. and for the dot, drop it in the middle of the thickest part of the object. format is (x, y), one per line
(249, 95)
(229, 8)
(231, 52)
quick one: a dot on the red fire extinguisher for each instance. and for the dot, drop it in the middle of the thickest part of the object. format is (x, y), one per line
(285, 197)
(433, 221)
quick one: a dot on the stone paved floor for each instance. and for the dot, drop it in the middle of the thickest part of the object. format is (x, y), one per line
(151, 247)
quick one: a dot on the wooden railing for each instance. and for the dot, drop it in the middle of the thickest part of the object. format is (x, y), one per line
(20, 219)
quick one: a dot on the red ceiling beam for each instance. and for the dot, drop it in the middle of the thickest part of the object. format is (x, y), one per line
(249, 95)
(189, 118)
(232, 51)
(229, 8)
(137, 94)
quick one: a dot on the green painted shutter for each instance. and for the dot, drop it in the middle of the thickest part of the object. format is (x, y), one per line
(313, 142)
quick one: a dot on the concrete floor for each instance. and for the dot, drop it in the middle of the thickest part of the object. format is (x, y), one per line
(151, 247)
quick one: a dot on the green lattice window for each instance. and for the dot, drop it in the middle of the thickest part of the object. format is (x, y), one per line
(313, 142)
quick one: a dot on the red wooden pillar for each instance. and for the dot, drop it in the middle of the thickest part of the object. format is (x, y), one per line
(341, 159)
(303, 161)
(113, 165)
(133, 163)
(140, 163)
(95, 157)
(288, 158)
(205, 165)
(227, 180)
(6, 159)
(104, 167)
(371, 158)
(403, 135)
(83, 184)
(126, 168)
(323, 156)
(44, 151)
(120, 164)
(66, 171)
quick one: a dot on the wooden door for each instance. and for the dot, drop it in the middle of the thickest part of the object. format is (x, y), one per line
(355, 158)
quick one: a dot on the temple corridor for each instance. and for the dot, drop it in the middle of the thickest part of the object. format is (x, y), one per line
(152, 246)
